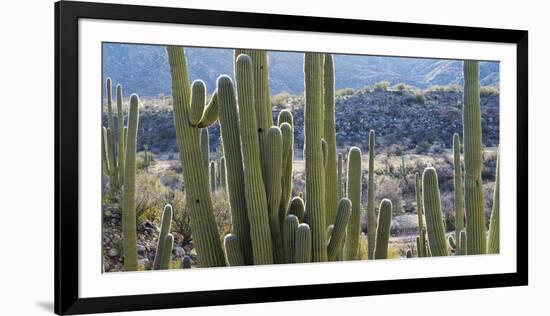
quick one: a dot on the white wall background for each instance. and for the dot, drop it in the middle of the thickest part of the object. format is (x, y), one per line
(26, 159)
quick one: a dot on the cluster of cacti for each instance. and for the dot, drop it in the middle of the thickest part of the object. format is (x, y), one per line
(256, 172)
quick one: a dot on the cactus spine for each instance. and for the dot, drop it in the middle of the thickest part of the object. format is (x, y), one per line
(459, 201)
(207, 241)
(289, 237)
(165, 221)
(198, 95)
(432, 207)
(166, 255)
(233, 250)
(420, 212)
(231, 141)
(329, 135)
(303, 244)
(473, 154)
(121, 138)
(339, 231)
(493, 245)
(354, 194)
(371, 219)
(383, 230)
(313, 125)
(256, 200)
(274, 156)
(129, 201)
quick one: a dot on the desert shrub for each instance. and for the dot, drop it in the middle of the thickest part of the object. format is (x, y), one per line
(280, 100)
(344, 92)
(394, 150)
(381, 86)
(423, 146)
(181, 222)
(172, 180)
(419, 97)
(402, 87)
(222, 212)
(488, 90)
(362, 252)
(389, 188)
(149, 197)
(488, 191)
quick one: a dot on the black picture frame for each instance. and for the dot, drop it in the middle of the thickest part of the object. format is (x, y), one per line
(67, 15)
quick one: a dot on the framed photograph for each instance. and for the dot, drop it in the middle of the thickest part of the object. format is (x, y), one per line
(209, 157)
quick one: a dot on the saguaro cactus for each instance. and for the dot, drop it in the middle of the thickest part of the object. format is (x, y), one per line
(303, 244)
(459, 200)
(432, 207)
(383, 230)
(198, 96)
(223, 181)
(258, 215)
(111, 138)
(129, 200)
(165, 221)
(205, 147)
(313, 125)
(233, 250)
(473, 155)
(213, 176)
(274, 156)
(340, 175)
(205, 232)
(289, 237)
(210, 114)
(297, 207)
(166, 255)
(493, 245)
(462, 243)
(339, 231)
(288, 159)
(420, 212)
(121, 138)
(354, 194)
(231, 141)
(329, 135)
(371, 219)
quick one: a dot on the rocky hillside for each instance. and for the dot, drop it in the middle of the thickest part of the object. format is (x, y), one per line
(422, 123)
(144, 69)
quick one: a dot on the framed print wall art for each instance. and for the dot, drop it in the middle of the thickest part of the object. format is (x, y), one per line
(208, 157)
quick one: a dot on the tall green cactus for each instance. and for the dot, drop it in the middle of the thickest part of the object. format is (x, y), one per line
(339, 176)
(198, 96)
(473, 155)
(233, 250)
(383, 230)
(274, 155)
(313, 125)
(166, 255)
(432, 207)
(371, 219)
(205, 232)
(339, 231)
(289, 237)
(493, 245)
(297, 207)
(205, 148)
(303, 247)
(223, 181)
(288, 158)
(354, 194)
(256, 199)
(420, 212)
(462, 239)
(459, 201)
(165, 221)
(121, 138)
(129, 200)
(111, 139)
(213, 176)
(105, 151)
(231, 142)
(329, 135)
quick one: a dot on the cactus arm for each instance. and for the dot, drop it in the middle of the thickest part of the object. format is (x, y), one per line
(121, 138)
(165, 221)
(473, 154)
(166, 255)
(303, 244)
(371, 219)
(210, 114)
(383, 230)
(256, 199)
(231, 142)
(274, 155)
(313, 155)
(233, 250)
(288, 157)
(289, 237)
(432, 207)
(493, 245)
(339, 231)
(206, 236)
(198, 95)
(129, 201)
(354, 194)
